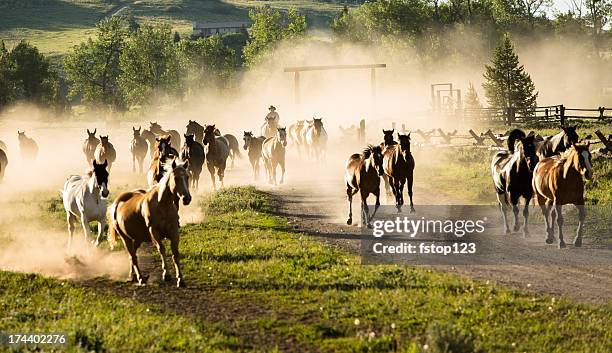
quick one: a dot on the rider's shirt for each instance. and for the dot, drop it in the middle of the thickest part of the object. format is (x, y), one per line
(273, 116)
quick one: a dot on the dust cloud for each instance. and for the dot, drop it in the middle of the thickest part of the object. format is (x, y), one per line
(31, 242)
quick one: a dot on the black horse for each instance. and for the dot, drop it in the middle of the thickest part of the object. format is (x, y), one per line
(554, 145)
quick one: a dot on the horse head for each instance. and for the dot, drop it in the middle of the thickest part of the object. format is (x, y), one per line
(104, 139)
(318, 124)
(178, 180)
(388, 136)
(92, 134)
(21, 135)
(404, 141)
(101, 177)
(526, 148)
(136, 132)
(281, 134)
(375, 155)
(209, 134)
(579, 158)
(154, 127)
(570, 137)
(189, 139)
(248, 137)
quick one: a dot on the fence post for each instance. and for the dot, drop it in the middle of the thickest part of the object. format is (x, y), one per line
(601, 113)
(562, 114)
(546, 113)
(361, 135)
(403, 128)
(393, 125)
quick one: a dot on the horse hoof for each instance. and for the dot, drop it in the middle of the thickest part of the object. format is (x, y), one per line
(525, 233)
(550, 240)
(165, 277)
(180, 283)
(412, 210)
(516, 228)
(507, 231)
(561, 244)
(369, 225)
(349, 221)
(578, 242)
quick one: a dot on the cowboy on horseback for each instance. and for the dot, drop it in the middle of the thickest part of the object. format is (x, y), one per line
(268, 129)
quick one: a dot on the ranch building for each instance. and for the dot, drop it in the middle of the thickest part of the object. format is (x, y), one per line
(205, 30)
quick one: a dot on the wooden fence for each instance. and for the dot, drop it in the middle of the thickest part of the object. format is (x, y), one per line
(554, 113)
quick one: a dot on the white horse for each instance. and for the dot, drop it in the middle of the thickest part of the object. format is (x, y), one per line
(316, 139)
(85, 198)
(273, 154)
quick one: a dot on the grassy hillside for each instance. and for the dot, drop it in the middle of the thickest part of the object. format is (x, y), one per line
(57, 25)
(256, 284)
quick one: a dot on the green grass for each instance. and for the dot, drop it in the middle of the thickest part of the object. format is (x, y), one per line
(255, 284)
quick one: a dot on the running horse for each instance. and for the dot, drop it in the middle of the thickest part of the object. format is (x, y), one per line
(554, 145)
(399, 169)
(362, 174)
(151, 216)
(89, 145)
(27, 146)
(273, 154)
(253, 147)
(512, 172)
(194, 128)
(558, 181)
(217, 151)
(84, 198)
(296, 137)
(150, 138)
(163, 152)
(193, 152)
(105, 152)
(138, 148)
(316, 139)
(158, 131)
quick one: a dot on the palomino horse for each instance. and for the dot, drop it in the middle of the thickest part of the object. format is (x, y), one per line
(141, 216)
(558, 143)
(316, 139)
(27, 146)
(362, 174)
(557, 181)
(253, 146)
(84, 197)
(269, 128)
(194, 128)
(105, 151)
(273, 154)
(89, 145)
(193, 152)
(512, 171)
(3, 163)
(217, 151)
(163, 152)
(399, 168)
(150, 138)
(138, 148)
(295, 135)
(158, 131)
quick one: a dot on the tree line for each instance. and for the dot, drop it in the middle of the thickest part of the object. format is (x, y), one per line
(126, 65)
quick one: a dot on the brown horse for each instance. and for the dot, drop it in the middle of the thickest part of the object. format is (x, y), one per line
(362, 174)
(163, 152)
(89, 145)
(150, 138)
(194, 128)
(388, 138)
(273, 154)
(158, 131)
(557, 181)
(27, 146)
(512, 171)
(234, 147)
(105, 151)
(399, 169)
(193, 152)
(138, 148)
(253, 147)
(3, 163)
(558, 143)
(217, 151)
(152, 215)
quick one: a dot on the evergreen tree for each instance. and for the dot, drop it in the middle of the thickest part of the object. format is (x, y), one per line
(507, 84)
(471, 98)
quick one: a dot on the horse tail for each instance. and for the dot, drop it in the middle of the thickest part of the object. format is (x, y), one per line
(514, 135)
(113, 225)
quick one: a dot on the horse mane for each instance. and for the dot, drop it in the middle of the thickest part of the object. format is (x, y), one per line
(368, 150)
(514, 135)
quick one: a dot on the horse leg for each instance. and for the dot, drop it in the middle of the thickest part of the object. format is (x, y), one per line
(101, 225)
(85, 224)
(501, 198)
(273, 168)
(365, 211)
(158, 241)
(581, 216)
(387, 184)
(377, 205)
(133, 163)
(560, 224)
(211, 170)
(282, 165)
(135, 274)
(221, 173)
(349, 193)
(409, 180)
(70, 219)
(526, 217)
(514, 199)
(174, 242)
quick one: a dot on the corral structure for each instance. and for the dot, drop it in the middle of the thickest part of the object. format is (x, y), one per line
(205, 30)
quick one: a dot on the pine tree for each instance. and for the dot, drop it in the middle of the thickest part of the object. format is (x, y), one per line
(507, 84)
(471, 98)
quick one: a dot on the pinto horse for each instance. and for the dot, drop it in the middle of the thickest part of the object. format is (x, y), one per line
(273, 154)
(217, 151)
(163, 152)
(84, 198)
(193, 152)
(399, 169)
(362, 174)
(558, 143)
(142, 216)
(89, 145)
(253, 147)
(558, 181)
(138, 148)
(512, 172)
